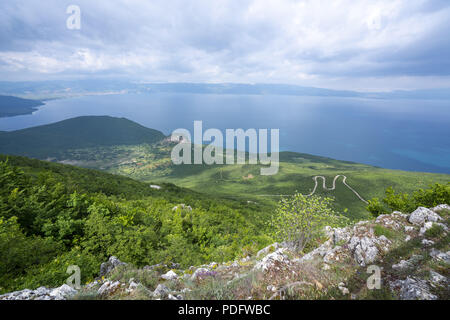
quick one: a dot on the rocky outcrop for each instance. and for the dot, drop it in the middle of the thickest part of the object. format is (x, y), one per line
(422, 215)
(62, 293)
(367, 249)
(441, 207)
(413, 289)
(110, 265)
(161, 291)
(440, 256)
(170, 275)
(407, 264)
(108, 288)
(273, 260)
(358, 242)
(282, 270)
(395, 221)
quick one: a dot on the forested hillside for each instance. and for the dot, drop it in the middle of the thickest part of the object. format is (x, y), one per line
(13, 106)
(81, 132)
(53, 216)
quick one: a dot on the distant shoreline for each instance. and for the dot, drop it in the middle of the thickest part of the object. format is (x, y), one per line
(11, 106)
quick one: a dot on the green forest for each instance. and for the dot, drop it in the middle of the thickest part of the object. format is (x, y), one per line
(53, 216)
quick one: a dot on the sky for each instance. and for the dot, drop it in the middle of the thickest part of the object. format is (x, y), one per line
(365, 45)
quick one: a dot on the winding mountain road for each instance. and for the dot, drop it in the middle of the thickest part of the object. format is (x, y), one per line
(333, 187)
(344, 181)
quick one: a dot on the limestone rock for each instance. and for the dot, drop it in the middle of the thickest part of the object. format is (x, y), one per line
(110, 265)
(341, 235)
(270, 260)
(170, 275)
(413, 289)
(268, 249)
(320, 251)
(366, 249)
(161, 291)
(343, 289)
(108, 288)
(441, 207)
(407, 264)
(437, 279)
(391, 221)
(42, 293)
(427, 242)
(63, 292)
(337, 254)
(441, 256)
(422, 215)
(426, 226)
(132, 286)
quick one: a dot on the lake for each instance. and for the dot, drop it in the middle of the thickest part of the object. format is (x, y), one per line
(397, 134)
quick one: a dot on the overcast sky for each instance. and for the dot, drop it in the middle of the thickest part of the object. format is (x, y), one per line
(351, 44)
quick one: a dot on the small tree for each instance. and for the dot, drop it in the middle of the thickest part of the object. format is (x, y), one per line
(375, 207)
(300, 219)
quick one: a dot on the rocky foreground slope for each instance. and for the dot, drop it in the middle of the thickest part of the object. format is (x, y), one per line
(409, 252)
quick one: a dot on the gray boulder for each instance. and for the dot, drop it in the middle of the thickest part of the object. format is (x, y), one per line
(161, 291)
(422, 215)
(407, 264)
(110, 265)
(170, 275)
(437, 279)
(63, 292)
(108, 288)
(366, 249)
(341, 235)
(441, 207)
(413, 289)
(440, 256)
(272, 259)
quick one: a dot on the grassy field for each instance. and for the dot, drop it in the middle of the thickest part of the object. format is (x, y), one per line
(151, 163)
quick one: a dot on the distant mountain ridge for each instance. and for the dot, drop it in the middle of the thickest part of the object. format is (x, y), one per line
(81, 132)
(67, 88)
(13, 106)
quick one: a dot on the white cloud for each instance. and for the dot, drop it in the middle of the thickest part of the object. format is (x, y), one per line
(286, 41)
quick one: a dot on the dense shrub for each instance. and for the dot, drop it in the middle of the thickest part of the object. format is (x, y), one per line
(300, 219)
(51, 218)
(436, 194)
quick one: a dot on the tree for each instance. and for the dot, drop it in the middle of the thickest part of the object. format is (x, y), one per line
(299, 219)
(376, 208)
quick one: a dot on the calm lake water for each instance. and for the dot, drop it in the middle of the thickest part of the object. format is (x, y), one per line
(398, 134)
